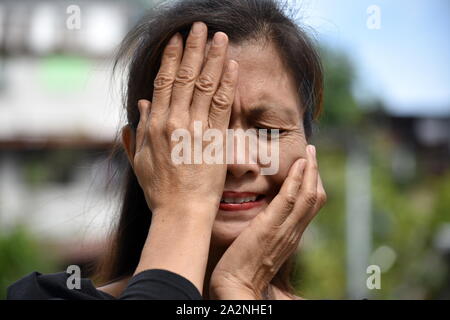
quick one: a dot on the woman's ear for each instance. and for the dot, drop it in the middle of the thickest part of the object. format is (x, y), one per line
(129, 142)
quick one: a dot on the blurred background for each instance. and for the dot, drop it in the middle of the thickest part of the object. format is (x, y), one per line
(383, 142)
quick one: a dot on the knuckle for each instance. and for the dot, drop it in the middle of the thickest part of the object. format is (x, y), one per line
(292, 242)
(290, 200)
(322, 198)
(185, 76)
(205, 84)
(193, 43)
(221, 100)
(310, 198)
(229, 79)
(191, 126)
(153, 125)
(298, 179)
(172, 125)
(171, 54)
(214, 54)
(162, 81)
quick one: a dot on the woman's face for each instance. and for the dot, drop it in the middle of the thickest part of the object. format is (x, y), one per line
(265, 98)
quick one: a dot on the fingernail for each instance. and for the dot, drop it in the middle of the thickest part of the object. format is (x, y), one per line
(219, 38)
(312, 150)
(174, 39)
(197, 28)
(232, 65)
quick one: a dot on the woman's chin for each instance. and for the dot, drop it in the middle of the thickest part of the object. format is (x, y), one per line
(228, 226)
(230, 223)
(223, 234)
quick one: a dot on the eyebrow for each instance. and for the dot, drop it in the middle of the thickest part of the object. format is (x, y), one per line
(259, 112)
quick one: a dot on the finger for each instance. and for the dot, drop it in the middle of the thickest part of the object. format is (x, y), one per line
(282, 205)
(208, 81)
(310, 202)
(189, 70)
(321, 200)
(220, 109)
(144, 107)
(308, 192)
(163, 83)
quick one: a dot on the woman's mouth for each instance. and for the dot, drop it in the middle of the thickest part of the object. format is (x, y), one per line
(235, 201)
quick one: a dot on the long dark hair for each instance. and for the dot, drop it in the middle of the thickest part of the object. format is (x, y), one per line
(140, 55)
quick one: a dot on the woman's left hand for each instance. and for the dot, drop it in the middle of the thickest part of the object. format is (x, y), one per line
(253, 259)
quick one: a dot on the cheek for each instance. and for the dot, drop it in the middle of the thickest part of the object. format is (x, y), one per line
(290, 150)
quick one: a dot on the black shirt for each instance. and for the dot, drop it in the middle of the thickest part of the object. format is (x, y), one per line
(154, 284)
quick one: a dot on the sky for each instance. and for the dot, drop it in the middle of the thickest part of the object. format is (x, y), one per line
(406, 62)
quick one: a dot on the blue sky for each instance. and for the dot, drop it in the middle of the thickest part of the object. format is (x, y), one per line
(406, 63)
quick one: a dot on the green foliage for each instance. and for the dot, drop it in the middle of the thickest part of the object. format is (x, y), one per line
(405, 218)
(340, 107)
(405, 214)
(56, 166)
(20, 254)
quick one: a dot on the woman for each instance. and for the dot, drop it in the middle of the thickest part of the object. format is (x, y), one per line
(226, 228)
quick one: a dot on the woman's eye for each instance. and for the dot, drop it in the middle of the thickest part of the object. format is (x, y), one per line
(270, 132)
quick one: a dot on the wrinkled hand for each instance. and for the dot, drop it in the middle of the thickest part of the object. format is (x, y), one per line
(187, 88)
(253, 259)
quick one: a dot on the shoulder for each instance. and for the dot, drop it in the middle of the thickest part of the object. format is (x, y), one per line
(115, 288)
(38, 286)
(33, 286)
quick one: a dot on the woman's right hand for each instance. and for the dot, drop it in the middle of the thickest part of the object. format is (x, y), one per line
(187, 88)
(184, 198)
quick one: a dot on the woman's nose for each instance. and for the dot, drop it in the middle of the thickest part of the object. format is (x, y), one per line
(240, 170)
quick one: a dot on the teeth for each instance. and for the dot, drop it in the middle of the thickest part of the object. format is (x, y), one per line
(238, 200)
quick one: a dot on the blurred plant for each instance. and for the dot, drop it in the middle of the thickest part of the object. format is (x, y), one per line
(20, 254)
(56, 166)
(405, 214)
(340, 107)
